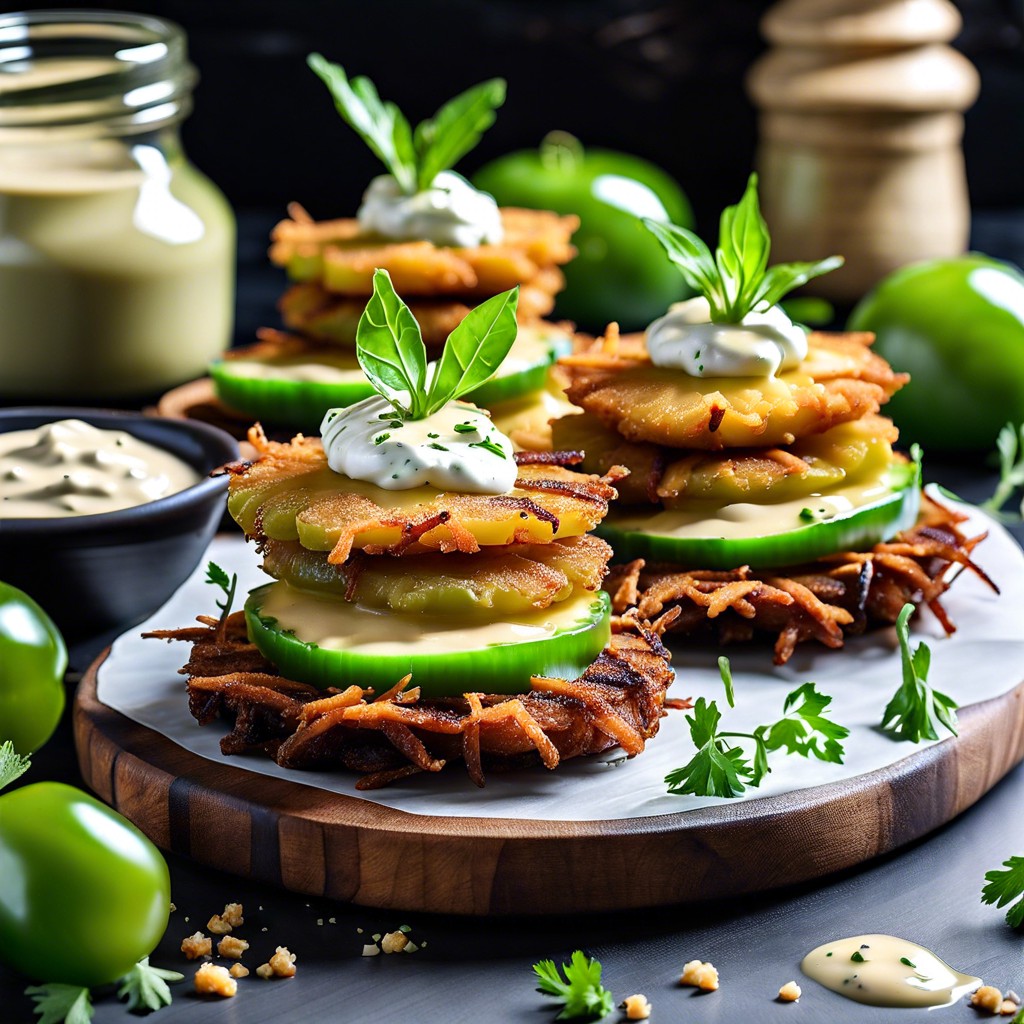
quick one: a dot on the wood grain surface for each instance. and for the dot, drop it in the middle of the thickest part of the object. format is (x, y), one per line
(347, 848)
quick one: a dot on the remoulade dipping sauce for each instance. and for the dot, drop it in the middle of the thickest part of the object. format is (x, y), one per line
(882, 970)
(70, 468)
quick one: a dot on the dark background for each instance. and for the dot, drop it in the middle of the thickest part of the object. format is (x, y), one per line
(657, 78)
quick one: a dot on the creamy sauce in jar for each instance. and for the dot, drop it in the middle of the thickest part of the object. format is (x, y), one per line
(335, 625)
(457, 448)
(882, 970)
(69, 468)
(761, 345)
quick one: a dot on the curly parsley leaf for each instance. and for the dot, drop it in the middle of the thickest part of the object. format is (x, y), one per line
(390, 349)
(414, 159)
(1006, 886)
(475, 349)
(737, 279)
(145, 987)
(717, 769)
(61, 1004)
(1010, 446)
(581, 991)
(916, 711)
(12, 764)
(804, 729)
(217, 577)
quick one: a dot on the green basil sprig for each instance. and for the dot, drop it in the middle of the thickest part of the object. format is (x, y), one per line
(413, 159)
(737, 278)
(390, 349)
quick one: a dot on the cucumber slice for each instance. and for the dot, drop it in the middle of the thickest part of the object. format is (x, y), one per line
(765, 536)
(296, 391)
(328, 642)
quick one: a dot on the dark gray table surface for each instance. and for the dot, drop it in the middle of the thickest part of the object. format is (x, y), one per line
(479, 970)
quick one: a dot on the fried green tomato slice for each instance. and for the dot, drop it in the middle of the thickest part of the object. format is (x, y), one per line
(290, 493)
(673, 479)
(500, 581)
(840, 380)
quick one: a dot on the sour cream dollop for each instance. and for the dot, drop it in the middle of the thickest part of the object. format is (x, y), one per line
(450, 212)
(457, 448)
(760, 345)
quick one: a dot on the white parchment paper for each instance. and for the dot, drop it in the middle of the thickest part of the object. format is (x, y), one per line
(983, 659)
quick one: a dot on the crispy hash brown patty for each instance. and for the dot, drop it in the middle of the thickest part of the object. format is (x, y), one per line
(339, 256)
(499, 580)
(289, 493)
(837, 596)
(618, 701)
(840, 380)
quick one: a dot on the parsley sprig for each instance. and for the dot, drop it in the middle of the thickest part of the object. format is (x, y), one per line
(581, 991)
(413, 158)
(737, 278)
(61, 1004)
(1010, 446)
(722, 768)
(1006, 886)
(145, 987)
(916, 710)
(12, 764)
(217, 577)
(390, 349)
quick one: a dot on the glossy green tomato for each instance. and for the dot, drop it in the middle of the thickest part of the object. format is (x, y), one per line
(957, 327)
(620, 272)
(32, 663)
(84, 894)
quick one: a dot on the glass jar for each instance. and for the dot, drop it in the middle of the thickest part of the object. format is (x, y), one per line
(116, 255)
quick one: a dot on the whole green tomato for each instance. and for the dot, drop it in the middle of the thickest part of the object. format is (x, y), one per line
(957, 327)
(620, 272)
(32, 663)
(84, 894)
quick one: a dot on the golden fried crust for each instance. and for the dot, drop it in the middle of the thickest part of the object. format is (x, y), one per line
(290, 493)
(342, 259)
(326, 317)
(671, 478)
(618, 701)
(840, 380)
(505, 580)
(836, 596)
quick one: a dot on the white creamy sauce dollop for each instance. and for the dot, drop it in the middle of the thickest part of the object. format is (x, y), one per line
(760, 345)
(70, 468)
(457, 448)
(450, 212)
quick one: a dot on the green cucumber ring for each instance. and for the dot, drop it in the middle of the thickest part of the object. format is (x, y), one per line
(302, 404)
(499, 668)
(857, 530)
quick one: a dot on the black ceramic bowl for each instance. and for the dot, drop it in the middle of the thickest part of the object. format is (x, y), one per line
(97, 573)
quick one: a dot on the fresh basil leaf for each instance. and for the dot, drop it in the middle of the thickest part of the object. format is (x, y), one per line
(379, 124)
(390, 348)
(784, 277)
(475, 349)
(743, 246)
(692, 257)
(455, 129)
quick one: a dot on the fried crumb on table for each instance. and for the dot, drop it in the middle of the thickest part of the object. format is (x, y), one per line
(232, 947)
(216, 981)
(700, 975)
(636, 1007)
(238, 971)
(197, 945)
(790, 992)
(280, 965)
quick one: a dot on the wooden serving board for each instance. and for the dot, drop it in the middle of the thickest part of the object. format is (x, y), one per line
(347, 848)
